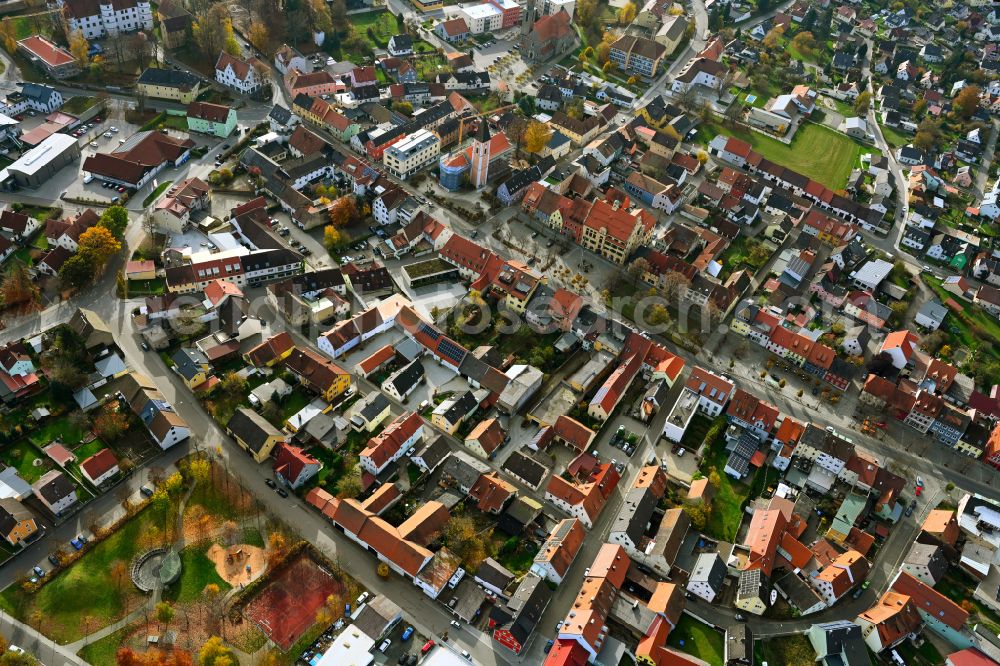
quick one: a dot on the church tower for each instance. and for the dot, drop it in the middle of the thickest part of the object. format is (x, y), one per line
(480, 156)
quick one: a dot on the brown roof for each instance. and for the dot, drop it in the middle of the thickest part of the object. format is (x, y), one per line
(267, 351)
(561, 547)
(552, 27)
(456, 26)
(573, 432)
(491, 492)
(240, 67)
(163, 422)
(489, 434)
(894, 616)
(138, 155)
(306, 141)
(215, 113)
(317, 372)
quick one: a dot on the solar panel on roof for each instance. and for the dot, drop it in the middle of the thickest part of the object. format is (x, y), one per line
(451, 350)
(429, 331)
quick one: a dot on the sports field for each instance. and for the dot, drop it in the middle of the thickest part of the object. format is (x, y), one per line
(287, 606)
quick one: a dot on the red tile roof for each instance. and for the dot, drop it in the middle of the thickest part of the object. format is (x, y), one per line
(930, 601)
(99, 463)
(290, 461)
(573, 432)
(47, 51)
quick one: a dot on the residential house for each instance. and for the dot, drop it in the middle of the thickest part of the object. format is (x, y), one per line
(56, 491)
(17, 523)
(253, 433)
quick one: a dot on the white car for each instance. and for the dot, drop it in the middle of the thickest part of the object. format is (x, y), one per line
(385, 645)
(107, 135)
(455, 624)
(113, 129)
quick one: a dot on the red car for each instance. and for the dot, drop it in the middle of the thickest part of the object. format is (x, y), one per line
(428, 646)
(918, 491)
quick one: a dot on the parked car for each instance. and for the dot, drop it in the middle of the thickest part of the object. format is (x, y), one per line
(270, 483)
(53, 560)
(146, 491)
(456, 624)
(428, 646)
(40, 572)
(282, 492)
(407, 633)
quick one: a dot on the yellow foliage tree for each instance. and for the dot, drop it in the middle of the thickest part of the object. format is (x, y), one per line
(627, 13)
(331, 237)
(79, 47)
(98, 244)
(536, 136)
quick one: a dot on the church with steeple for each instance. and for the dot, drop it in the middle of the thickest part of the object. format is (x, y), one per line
(483, 161)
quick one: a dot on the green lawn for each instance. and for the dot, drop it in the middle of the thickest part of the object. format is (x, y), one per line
(104, 651)
(86, 588)
(252, 537)
(794, 650)
(331, 472)
(160, 189)
(816, 151)
(727, 508)
(198, 571)
(26, 26)
(40, 242)
(22, 456)
(697, 639)
(79, 104)
(24, 256)
(895, 137)
(294, 403)
(744, 252)
(925, 655)
(517, 555)
(154, 287)
(54, 429)
(89, 449)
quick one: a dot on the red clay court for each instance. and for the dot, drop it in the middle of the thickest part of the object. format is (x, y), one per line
(287, 606)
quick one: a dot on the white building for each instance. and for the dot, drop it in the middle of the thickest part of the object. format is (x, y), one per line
(482, 18)
(871, 274)
(237, 74)
(102, 18)
(707, 577)
(413, 153)
(554, 6)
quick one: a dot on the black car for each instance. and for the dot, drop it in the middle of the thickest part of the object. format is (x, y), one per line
(53, 560)
(282, 492)
(270, 483)
(146, 491)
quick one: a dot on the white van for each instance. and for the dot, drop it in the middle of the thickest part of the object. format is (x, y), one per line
(89, 177)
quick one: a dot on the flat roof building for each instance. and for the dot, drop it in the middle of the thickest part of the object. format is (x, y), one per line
(416, 151)
(41, 163)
